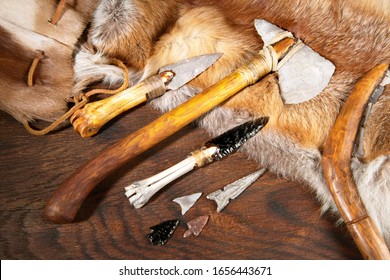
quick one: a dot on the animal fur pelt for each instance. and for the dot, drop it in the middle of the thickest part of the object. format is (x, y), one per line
(146, 35)
(23, 31)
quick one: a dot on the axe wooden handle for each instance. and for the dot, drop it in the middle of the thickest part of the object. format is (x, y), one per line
(66, 201)
(336, 164)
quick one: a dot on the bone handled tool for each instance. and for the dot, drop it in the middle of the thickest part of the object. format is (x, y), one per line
(140, 192)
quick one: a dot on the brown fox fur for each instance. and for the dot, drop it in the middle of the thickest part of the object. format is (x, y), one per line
(145, 35)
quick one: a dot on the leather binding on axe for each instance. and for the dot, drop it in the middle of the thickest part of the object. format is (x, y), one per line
(68, 198)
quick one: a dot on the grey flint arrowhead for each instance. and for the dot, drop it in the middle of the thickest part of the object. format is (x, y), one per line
(223, 196)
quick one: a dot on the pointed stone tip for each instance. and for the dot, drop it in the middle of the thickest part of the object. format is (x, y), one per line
(162, 232)
(196, 225)
(186, 202)
(223, 196)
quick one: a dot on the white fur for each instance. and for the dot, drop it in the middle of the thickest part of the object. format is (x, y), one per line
(89, 67)
(373, 182)
(117, 15)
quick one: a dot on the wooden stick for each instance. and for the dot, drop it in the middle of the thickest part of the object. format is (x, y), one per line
(336, 164)
(66, 201)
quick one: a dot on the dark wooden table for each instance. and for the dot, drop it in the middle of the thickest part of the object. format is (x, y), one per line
(272, 219)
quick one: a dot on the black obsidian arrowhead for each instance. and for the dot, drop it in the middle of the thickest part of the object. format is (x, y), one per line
(162, 232)
(233, 139)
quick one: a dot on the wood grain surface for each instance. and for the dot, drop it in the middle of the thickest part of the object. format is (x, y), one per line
(273, 219)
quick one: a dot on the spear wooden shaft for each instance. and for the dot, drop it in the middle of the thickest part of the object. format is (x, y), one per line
(68, 198)
(336, 164)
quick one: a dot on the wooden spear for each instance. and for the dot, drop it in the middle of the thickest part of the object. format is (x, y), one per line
(336, 164)
(66, 201)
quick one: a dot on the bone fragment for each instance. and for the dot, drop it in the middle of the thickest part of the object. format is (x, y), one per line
(223, 196)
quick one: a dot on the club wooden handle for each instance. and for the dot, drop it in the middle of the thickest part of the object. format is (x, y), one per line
(68, 198)
(88, 120)
(336, 164)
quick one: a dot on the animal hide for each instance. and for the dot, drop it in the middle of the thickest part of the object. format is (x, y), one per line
(23, 32)
(146, 35)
